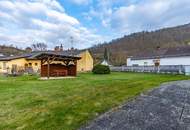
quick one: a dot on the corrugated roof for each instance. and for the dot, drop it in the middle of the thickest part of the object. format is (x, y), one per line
(162, 53)
(33, 55)
(14, 57)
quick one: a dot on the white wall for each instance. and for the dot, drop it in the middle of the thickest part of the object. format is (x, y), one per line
(163, 61)
(141, 62)
(175, 61)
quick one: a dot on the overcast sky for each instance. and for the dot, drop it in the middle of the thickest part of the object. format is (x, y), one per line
(89, 22)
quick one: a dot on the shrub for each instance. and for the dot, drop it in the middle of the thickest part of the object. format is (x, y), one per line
(101, 69)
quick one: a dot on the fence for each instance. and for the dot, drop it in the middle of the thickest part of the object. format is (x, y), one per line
(175, 69)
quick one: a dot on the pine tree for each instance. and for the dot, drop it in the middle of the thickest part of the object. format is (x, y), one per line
(106, 57)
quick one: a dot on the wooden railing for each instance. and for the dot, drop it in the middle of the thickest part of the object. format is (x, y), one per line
(176, 69)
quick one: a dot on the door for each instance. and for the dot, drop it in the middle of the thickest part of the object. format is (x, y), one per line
(14, 69)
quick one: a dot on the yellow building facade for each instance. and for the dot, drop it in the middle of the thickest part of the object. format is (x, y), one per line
(19, 64)
(86, 62)
(6, 66)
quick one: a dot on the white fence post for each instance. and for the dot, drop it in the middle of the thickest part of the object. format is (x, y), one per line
(187, 70)
(161, 69)
(122, 68)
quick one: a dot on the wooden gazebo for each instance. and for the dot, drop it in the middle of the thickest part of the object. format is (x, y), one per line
(58, 65)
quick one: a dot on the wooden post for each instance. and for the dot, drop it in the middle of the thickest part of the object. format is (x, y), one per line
(41, 62)
(48, 68)
(75, 62)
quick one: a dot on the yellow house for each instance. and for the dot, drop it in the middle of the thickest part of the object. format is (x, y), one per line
(28, 62)
(86, 61)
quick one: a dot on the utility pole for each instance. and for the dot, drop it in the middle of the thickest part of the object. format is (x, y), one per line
(72, 42)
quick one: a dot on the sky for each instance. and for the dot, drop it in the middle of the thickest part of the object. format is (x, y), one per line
(87, 22)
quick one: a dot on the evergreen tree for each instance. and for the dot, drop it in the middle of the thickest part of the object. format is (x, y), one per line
(106, 56)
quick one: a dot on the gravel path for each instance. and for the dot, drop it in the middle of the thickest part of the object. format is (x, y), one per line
(164, 108)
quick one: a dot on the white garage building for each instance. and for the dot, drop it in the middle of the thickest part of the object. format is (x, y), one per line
(162, 57)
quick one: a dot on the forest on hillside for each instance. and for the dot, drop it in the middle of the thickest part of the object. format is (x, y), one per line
(10, 50)
(132, 44)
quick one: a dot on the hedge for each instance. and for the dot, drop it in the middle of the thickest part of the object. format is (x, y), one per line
(101, 69)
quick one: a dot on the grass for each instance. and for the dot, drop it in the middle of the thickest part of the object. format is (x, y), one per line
(28, 103)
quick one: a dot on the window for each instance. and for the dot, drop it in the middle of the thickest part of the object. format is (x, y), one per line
(36, 64)
(156, 62)
(4, 65)
(30, 64)
(14, 68)
(145, 63)
(26, 65)
(135, 65)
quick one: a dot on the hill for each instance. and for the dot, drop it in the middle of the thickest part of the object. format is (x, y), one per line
(142, 41)
(10, 50)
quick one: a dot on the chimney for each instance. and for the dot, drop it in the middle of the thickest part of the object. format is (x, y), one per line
(72, 51)
(61, 47)
(158, 48)
(56, 49)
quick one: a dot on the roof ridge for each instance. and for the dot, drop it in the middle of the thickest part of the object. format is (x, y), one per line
(169, 52)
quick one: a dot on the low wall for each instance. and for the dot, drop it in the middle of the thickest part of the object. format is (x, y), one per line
(187, 70)
(175, 69)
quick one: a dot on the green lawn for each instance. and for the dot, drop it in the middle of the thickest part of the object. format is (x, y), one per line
(28, 103)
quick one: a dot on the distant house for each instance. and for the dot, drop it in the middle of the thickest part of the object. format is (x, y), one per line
(161, 57)
(105, 62)
(1, 55)
(31, 63)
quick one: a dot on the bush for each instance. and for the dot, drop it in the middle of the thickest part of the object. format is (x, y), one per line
(101, 69)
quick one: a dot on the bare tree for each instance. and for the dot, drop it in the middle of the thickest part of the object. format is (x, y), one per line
(28, 49)
(39, 47)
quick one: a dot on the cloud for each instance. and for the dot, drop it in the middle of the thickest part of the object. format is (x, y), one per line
(150, 15)
(26, 22)
(81, 2)
(122, 17)
(59, 17)
(102, 11)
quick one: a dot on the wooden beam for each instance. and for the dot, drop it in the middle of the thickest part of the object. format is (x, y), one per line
(41, 68)
(43, 61)
(66, 62)
(48, 68)
(75, 62)
(52, 59)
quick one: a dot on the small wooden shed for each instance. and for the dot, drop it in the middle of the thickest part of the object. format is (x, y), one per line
(57, 65)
